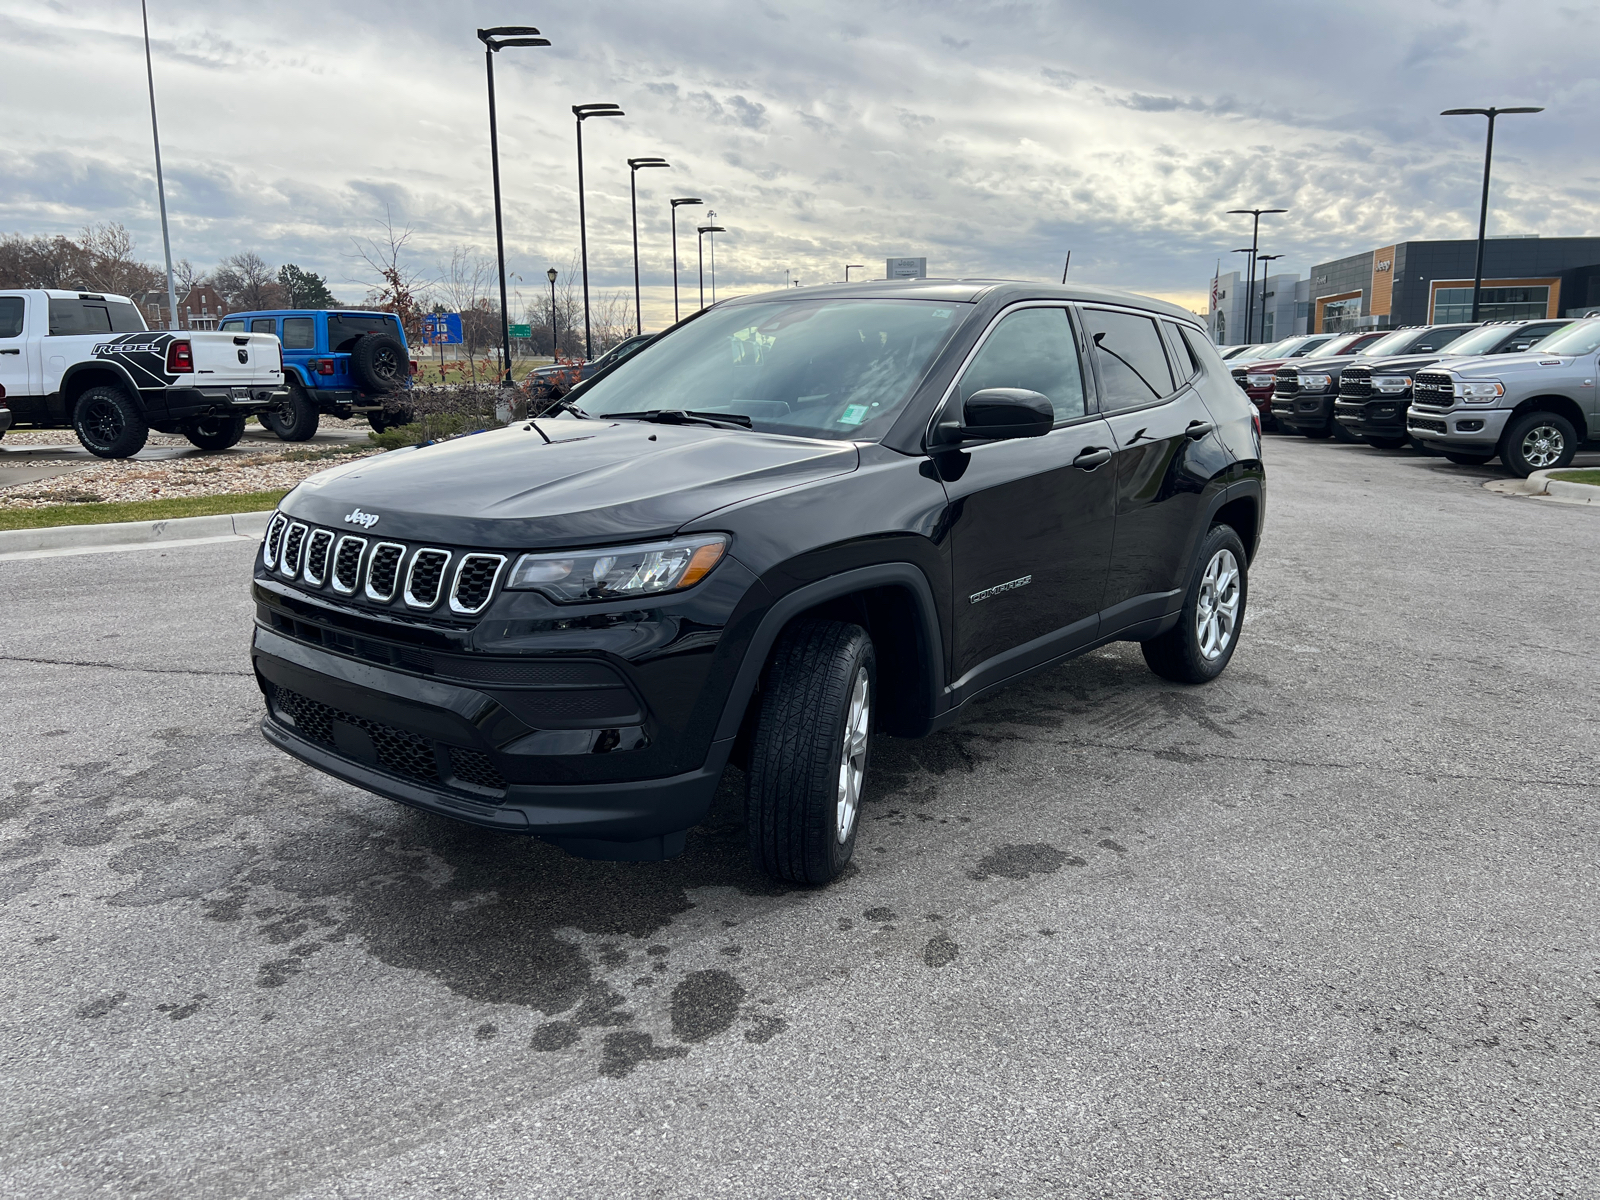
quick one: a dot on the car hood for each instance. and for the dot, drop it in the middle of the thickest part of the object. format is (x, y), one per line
(1401, 362)
(1318, 365)
(1258, 365)
(1507, 366)
(595, 481)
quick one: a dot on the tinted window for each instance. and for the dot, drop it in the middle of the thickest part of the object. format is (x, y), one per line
(1313, 344)
(1204, 351)
(1438, 339)
(1128, 357)
(345, 328)
(817, 368)
(299, 333)
(1184, 362)
(1032, 349)
(232, 327)
(94, 316)
(264, 325)
(1582, 337)
(11, 310)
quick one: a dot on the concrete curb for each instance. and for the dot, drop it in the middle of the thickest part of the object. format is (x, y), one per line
(132, 534)
(1539, 486)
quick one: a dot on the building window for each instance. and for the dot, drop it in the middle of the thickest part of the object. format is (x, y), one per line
(1496, 304)
(1268, 325)
(1222, 330)
(1340, 315)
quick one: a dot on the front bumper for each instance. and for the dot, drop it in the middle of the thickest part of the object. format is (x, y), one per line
(1303, 411)
(461, 752)
(179, 403)
(1474, 429)
(1377, 417)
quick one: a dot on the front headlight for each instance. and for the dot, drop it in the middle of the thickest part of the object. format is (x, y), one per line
(1315, 383)
(1259, 380)
(617, 572)
(1480, 393)
(1390, 384)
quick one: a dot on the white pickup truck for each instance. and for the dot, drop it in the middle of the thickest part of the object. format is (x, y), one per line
(89, 362)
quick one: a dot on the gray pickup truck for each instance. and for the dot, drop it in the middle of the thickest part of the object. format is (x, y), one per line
(1534, 410)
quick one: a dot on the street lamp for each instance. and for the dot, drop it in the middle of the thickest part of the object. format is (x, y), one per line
(1483, 211)
(848, 267)
(161, 187)
(551, 276)
(1246, 250)
(634, 164)
(1250, 294)
(703, 230)
(677, 201)
(494, 40)
(583, 112)
(1265, 258)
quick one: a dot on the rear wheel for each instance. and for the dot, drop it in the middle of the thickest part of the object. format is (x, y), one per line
(1538, 441)
(380, 363)
(1467, 460)
(295, 418)
(110, 423)
(808, 758)
(1201, 644)
(214, 433)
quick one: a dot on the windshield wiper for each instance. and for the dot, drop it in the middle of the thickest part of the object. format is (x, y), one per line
(688, 416)
(567, 406)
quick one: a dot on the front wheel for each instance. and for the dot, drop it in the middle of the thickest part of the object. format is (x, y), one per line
(295, 418)
(1387, 443)
(1200, 645)
(1341, 433)
(215, 433)
(1467, 460)
(1318, 434)
(110, 423)
(808, 758)
(1538, 441)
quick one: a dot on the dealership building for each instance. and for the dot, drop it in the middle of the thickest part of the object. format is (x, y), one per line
(1417, 283)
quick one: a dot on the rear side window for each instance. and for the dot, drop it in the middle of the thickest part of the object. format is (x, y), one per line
(299, 333)
(1128, 357)
(1204, 352)
(69, 317)
(1033, 349)
(345, 328)
(264, 325)
(232, 327)
(11, 310)
(1184, 363)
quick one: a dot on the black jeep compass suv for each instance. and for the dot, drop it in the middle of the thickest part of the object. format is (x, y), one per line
(792, 522)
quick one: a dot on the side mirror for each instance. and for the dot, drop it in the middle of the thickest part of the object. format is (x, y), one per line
(995, 414)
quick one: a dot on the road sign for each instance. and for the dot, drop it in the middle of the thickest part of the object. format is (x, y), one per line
(522, 331)
(441, 329)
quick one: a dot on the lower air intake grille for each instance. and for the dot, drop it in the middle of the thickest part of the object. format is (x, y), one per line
(347, 564)
(317, 556)
(425, 576)
(385, 569)
(476, 768)
(474, 584)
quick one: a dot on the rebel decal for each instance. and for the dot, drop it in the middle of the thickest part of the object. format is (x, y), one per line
(144, 356)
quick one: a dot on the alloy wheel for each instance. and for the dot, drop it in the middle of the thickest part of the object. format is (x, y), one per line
(1216, 614)
(103, 421)
(853, 756)
(1543, 446)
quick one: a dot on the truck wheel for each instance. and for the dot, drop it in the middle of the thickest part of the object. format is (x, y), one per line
(1387, 443)
(295, 419)
(1538, 441)
(380, 363)
(1317, 434)
(1467, 460)
(1341, 434)
(1200, 645)
(110, 423)
(808, 758)
(214, 433)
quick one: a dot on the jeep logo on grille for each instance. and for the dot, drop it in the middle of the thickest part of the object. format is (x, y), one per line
(244, 356)
(365, 520)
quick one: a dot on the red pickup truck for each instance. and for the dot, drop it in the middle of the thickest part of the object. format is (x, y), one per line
(1257, 376)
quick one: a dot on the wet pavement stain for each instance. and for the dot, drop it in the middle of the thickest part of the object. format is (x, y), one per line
(622, 1052)
(704, 1003)
(940, 951)
(555, 1035)
(1018, 862)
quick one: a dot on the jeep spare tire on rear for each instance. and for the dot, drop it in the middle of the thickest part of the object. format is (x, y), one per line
(379, 363)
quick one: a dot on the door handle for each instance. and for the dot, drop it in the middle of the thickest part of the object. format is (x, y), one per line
(1091, 458)
(11, 351)
(1198, 430)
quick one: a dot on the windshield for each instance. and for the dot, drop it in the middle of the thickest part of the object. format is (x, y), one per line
(1582, 337)
(1484, 341)
(814, 368)
(1395, 343)
(1281, 349)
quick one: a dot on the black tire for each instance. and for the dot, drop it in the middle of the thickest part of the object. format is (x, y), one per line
(380, 363)
(296, 418)
(1178, 654)
(214, 433)
(1318, 435)
(1538, 441)
(798, 754)
(390, 418)
(110, 423)
(1342, 434)
(1467, 460)
(1387, 443)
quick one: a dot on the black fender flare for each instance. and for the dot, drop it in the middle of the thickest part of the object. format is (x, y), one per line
(792, 604)
(99, 364)
(1240, 489)
(299, 374)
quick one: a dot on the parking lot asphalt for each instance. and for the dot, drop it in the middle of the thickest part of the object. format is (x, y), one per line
(1324, 928)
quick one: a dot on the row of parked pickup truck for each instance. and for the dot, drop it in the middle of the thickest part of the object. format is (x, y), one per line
(88, 362)
(1522, 391)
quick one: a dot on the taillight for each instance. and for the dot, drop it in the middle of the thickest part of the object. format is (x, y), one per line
(180, 357)
(279, 345)
(324, 366)
(413, 366)
(1255, 419)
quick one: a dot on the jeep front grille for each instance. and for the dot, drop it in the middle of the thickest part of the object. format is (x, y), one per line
(425, 576)
(347, 564)
(317, 556)
(292, 544)
(383, 570)
(273, 542)
(474, 582)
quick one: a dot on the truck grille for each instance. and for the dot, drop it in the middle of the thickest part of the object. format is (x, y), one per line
(1288, 383)
(1434, 389)
(398, 752)
(1356, 382)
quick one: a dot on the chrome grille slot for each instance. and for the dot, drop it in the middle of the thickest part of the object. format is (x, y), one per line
(347, 564)
(383, 570)
(474, 582)
(425, 577)
(273, 542)
(293, 542)
(316, 569)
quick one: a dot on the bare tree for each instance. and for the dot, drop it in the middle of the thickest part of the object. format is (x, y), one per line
(400, 288)
(39, 262)
(106, 262)
(467, 287)
(611, 318)
(247, 282)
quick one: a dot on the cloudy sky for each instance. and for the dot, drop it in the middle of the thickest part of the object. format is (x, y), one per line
(990, 138)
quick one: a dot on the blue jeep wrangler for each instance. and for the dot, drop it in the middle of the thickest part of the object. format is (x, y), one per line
(335, 362)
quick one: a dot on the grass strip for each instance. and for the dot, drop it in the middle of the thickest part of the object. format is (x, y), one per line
(1587, 475)
(137, 510)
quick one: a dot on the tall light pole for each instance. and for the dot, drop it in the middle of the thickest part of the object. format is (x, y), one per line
(634, 164)
(583, 112)
(161, 186)
(551, 276)
(1483, 210)
(1265, 258)
(848, 267)
(1249, 251)
(703, 230)
(677, 201)
(494, 40)
(1255, 239)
